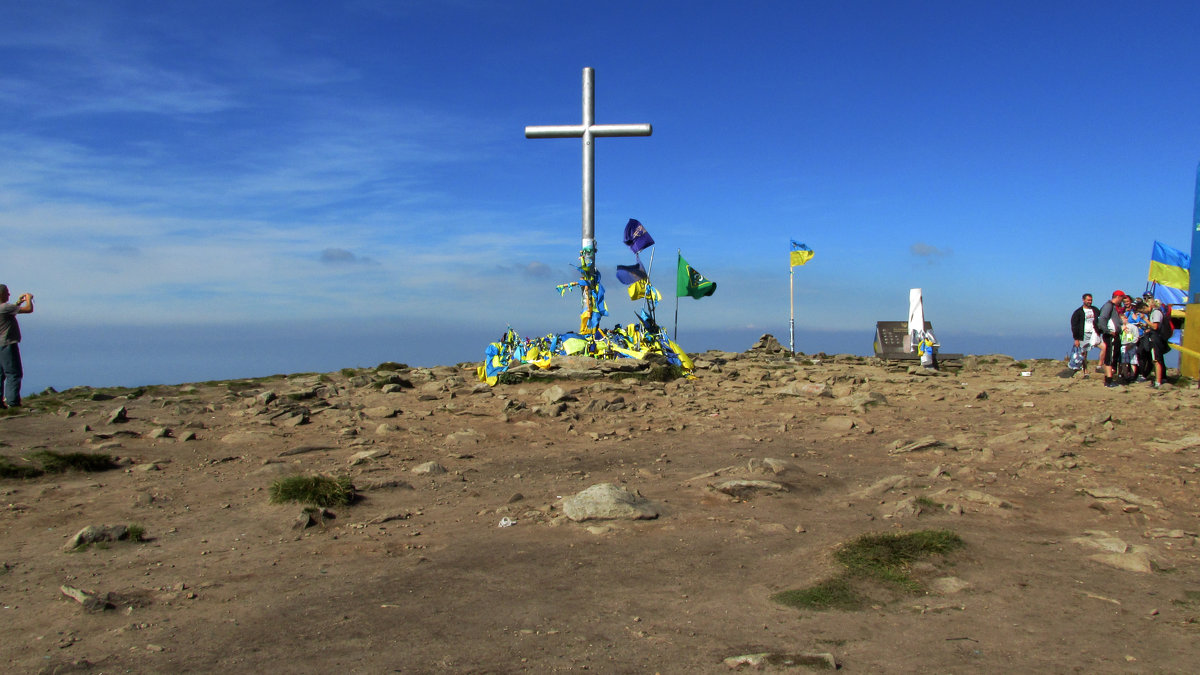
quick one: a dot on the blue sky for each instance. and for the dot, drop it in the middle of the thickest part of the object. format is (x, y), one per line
(312, 185)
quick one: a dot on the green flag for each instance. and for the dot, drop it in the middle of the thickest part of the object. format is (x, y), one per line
(690, 282)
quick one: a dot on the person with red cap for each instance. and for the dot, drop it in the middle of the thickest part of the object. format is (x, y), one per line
(1111, 320)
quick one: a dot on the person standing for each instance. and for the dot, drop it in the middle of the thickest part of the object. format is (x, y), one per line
(1084, 330)
(1110, 321)
(10, 353)
(1160, 332)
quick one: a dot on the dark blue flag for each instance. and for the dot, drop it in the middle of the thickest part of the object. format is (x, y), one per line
(636, 236)
(628, 274)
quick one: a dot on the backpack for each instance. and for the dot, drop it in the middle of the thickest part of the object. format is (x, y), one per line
(1165, 328)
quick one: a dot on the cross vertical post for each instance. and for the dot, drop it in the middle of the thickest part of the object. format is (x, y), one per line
(588, 131)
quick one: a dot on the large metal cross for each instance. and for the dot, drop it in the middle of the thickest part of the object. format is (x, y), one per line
(588, 131)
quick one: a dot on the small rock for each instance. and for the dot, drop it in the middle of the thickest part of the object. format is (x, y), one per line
(429, 469)
(900, 447)
(838, 424)
(380, 412)
(1136, 561)
(97, 533)
(557, 394)
(119, 416)
(360, 457)
(883, 485)
(91, 602)
(742, 488)
(822, 661)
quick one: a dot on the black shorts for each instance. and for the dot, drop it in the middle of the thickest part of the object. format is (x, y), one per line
(1158, 348)
(1113, 356)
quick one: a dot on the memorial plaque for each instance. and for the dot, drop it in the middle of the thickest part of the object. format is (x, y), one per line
(892, 342)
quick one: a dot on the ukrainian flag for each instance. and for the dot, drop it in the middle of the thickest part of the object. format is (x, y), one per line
(1169, 267)
(800, 253)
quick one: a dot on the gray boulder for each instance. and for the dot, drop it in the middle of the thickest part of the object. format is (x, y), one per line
(605, 501)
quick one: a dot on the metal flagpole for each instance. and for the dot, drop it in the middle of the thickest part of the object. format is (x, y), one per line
(792, 308)
(650, 298)
(679, 256)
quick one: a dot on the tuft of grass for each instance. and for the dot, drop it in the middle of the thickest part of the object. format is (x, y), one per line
(835, 593)
(929, 503)
(349, 372)
(663, 373)
(10, 470)
(136, 533)
(320, 490)
(391, 365)
(872, 558)
(59, 462)
(886, 557)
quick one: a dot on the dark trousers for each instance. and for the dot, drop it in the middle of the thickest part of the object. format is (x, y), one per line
(10, 373)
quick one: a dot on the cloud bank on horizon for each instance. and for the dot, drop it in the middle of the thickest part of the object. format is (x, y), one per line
(226, 163)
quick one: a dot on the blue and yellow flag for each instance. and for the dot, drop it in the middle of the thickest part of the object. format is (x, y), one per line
(1169, 268)
(800, 253)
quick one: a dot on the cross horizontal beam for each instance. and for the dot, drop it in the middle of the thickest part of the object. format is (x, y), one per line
(577, 130)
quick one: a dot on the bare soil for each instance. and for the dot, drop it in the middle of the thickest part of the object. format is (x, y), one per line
(1078, 506)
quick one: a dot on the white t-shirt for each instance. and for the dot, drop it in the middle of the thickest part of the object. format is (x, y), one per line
(1090, 337)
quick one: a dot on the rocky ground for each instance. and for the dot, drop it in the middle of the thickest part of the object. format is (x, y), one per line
(471, 549)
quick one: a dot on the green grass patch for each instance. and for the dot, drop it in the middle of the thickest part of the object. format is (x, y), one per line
(59, 462)
(929, 503)
(321, 490)
(872, 559)
(10, 470)
(349, 372)
(136, 533)
(886, 557)
(391, 365)
(835, 593)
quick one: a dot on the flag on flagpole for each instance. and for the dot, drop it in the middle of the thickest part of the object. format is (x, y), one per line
(642, 289)
(800, 253)
(690, 282)
(628, 274)
(636, 236)
(1169, 270)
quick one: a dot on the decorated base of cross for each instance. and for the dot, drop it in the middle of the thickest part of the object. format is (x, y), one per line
(640, 340)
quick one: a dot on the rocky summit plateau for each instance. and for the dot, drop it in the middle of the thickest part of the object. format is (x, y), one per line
(607, 517)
